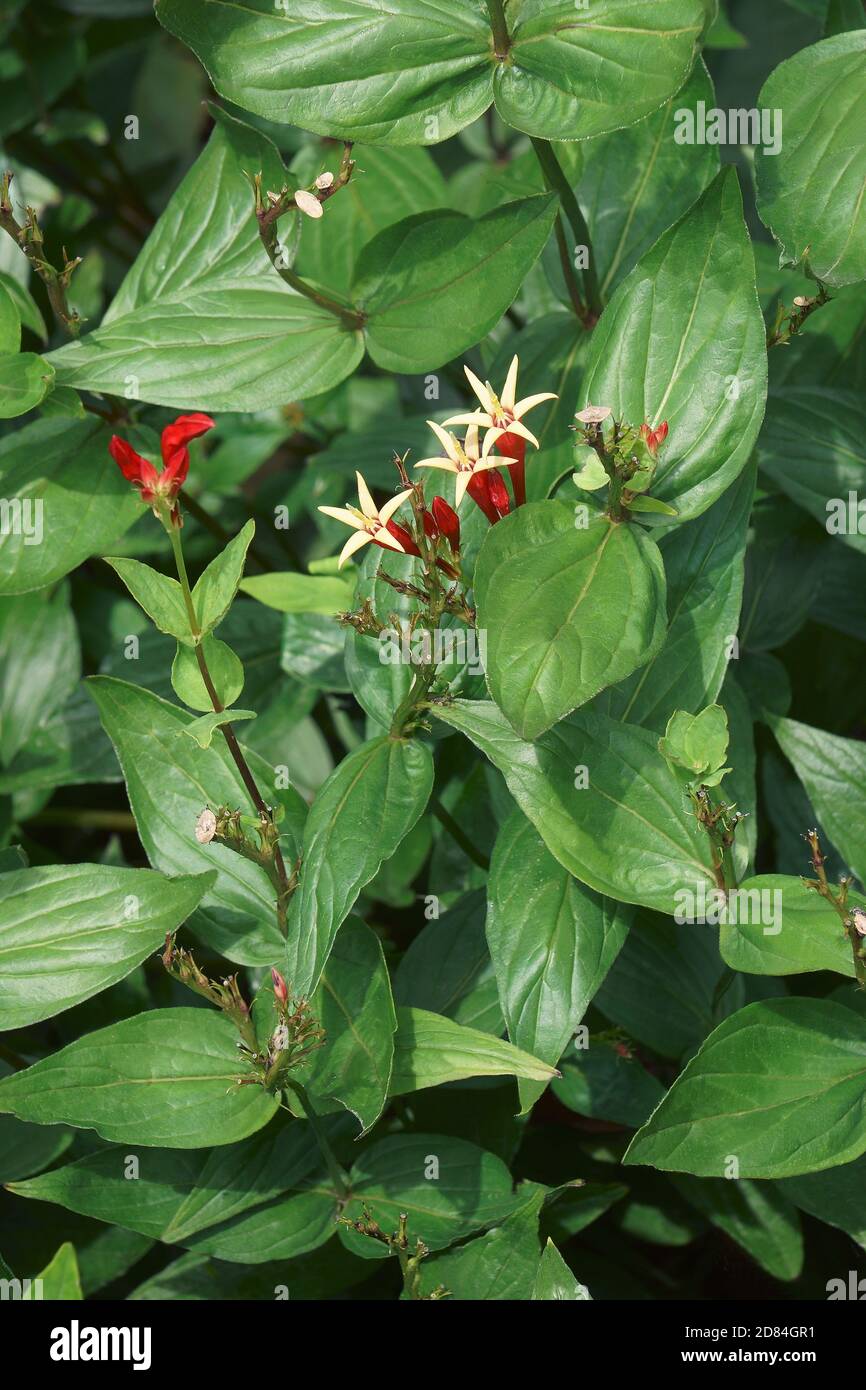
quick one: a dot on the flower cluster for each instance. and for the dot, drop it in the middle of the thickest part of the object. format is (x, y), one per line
(473, 463)
(624, 459)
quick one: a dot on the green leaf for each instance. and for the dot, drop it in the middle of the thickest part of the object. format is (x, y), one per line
(27, 1149)
(603, 800)
(10, 322)
(216, 326)
(552, 941)
(591, 475)
(812, 448)
(755, 1215)
(635, 182)
(567, 74)
(447, 968)
(204, 1199)
(366, 807)
(169, 782)
(810, 191)
(203, 729)
(160, 596)
(71, 931)
(353, 1004)
(64, 498)
(697, 742)
(225, 670)
(28, 310)
(39, 665)
(60, 1280)
(555, 1280)
(602, 1084)
(703, 563)
(431, 1049)
(801, 932)
(779, 1086)
(418, 72)
(25, 378)
(501, 1264)
(290, 592)
(215, 590)
(163, 1078)
(668, 987)
(833, 771)
(447, 1188)
(683, 340)
(591, 606)
(435, 284)
(834, 1196)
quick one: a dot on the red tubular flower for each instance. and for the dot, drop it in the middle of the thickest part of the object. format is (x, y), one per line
(653, 438)
(448, 523)
(402, 535)
(154, 485)
(512, 446)
(478, 488)
(499, 492)
(431, 530)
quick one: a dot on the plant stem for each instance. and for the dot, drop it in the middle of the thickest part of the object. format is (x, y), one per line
(839, 905)
(789, 322)
(501, 36)
(226, 729)
(28, 238)
(85, 818)
(558, 183)
(267, 216)
(211, 524)
(338, 1176)
(568, 271)
(447, 820)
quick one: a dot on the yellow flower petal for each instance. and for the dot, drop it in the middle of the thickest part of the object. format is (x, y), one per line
(392, 504)
(530, 402)
(352, 544)
(509, 390)
(343, 514)
(368, 506)
(481, 391)
(445, 439)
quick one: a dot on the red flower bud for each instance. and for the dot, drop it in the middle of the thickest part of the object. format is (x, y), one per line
(448, 522)
(402, 535)
(431, 530)
(151, 483)
(281, 993)
(498, 492)
(653, 438)
(478, 488)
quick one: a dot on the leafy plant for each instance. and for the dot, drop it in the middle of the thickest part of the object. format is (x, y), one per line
(432, 811)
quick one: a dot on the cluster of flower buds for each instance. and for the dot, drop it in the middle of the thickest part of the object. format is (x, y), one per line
(611, 452)
(295, 1037)
(224, 994)
(160, 487)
